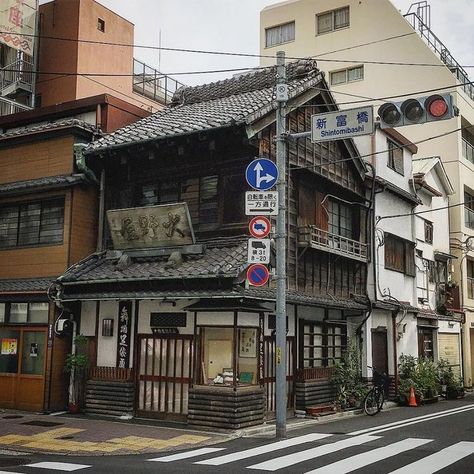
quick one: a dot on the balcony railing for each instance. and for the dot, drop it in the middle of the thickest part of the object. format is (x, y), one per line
(151, 83)
(320, 239)
(468, 151)
(18, 74)
(441, 51)
(8, 107)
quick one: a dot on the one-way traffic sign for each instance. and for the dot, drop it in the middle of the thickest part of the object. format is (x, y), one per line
(261, 204)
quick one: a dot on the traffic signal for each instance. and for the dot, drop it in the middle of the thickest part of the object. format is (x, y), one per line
(416, 110)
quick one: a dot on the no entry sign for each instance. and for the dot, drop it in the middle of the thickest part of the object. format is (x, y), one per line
(259, 227)
(257, 274)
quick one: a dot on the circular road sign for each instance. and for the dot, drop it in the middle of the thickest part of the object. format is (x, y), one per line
(257, 274)
(261, 174)
(259, 227)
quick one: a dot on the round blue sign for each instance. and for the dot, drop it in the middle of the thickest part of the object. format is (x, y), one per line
(258, 274)
(261, 174)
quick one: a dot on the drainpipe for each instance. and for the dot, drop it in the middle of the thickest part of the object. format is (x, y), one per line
(72, 395)
(81, 162)
(395, 355)
(100, 230)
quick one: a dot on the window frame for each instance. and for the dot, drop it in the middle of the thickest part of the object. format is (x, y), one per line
(393, 146)
(20, 206)
(7, 314)
(101, 25)
(334, 204)
(468, 209)
(407, 252)
(470, 277)
(279, 27)
(428, 228)
(333, 20)
(346, 74)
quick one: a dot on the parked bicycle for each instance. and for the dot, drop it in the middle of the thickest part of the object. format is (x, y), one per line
(374, 400)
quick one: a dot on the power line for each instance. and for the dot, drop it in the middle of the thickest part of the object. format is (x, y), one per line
(248, 55)
(421, 212)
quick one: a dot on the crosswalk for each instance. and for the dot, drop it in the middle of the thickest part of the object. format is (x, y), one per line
(316, 445)
(351, 452)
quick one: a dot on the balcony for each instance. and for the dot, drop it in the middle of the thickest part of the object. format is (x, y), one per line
(311, 236)
(152, 84)
(468, 151)
(15, 77)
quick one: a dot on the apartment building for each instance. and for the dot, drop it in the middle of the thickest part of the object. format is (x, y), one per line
(355, 51)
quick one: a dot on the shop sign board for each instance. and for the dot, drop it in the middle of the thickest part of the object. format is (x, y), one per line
(123, 339)
(258, 274)
(259, 227)
(258, 251)
(17, 25)
(264, 204)
(342, 124)
(261, 174)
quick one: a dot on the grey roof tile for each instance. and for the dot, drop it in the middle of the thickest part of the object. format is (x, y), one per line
(25, 285)
(236, 101)
(47, 182)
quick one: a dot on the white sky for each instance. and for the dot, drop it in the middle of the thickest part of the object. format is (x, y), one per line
(233, 25)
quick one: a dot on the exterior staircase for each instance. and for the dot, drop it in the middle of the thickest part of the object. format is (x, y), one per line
(109, 398)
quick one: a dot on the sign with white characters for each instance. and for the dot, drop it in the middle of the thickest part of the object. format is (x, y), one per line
(261, 174)
(342, 124)
(261, 203)
(123, 337)
(259, 251)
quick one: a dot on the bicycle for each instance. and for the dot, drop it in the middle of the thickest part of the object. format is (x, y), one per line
(374, 400)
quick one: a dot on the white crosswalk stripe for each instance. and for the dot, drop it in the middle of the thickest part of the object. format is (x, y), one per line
(437, 461)
(186, 455)
(267, 448)
(299, 457)
(58, 466)
(370, 457)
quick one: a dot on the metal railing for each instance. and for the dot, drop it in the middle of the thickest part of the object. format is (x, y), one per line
(151, 83)
(8, 107)
(320, 239)
(468, 151)
(442, 51)
(19, 72)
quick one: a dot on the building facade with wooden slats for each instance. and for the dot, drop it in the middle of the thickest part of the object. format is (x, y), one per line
(165, 304)
(48, 221)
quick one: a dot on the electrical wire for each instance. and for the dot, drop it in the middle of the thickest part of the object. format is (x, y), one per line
(421, 212)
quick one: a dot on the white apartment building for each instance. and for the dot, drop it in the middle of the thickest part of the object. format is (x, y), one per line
(358, 53)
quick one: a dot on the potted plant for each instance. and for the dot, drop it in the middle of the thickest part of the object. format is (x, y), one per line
(450, 384)
(76, 365)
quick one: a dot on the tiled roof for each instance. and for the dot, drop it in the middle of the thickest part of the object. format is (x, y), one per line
(236, 101)
(226, 259)
(47, 182)
(25, 285)
(47, 126)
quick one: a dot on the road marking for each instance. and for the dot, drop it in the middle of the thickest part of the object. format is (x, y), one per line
(267, 448)
(439, 460)
(401, 423)
(301, 456)
(186, 455)
(58, 466)
(370, 457)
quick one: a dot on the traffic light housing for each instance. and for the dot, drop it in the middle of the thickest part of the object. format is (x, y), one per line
(417, 110)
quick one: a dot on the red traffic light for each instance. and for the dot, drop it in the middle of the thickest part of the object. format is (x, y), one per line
(436, 106)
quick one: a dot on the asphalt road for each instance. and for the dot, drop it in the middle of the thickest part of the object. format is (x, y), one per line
(434, 438)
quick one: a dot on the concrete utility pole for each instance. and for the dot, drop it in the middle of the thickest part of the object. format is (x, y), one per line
(280, 350)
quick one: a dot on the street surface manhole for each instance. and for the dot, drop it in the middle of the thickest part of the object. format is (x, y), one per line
(12, 417)
(42, 423)
(10, 462)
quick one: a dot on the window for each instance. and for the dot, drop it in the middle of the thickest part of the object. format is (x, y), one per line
(399, 255)
(101, 25)
(23, 313)
(470, 278)
(233, 197)
(428, 232)
(469, 210)
(340, 219)
(347, 75)
(425, 342)
(395, 157)
(33, 223)
(333, 20)
(208, 204)
(280, 34)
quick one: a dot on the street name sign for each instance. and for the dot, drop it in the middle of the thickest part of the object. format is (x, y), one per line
(342, 124)
(259, 227)
(261, 174)
(258, 274)
(261, 204)
(258, 251)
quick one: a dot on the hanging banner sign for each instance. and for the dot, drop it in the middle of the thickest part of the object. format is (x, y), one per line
(123, 337)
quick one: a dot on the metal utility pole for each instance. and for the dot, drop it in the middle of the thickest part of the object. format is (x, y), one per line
(280, 350)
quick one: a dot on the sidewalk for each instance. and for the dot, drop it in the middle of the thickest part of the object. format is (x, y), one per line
(79, 435)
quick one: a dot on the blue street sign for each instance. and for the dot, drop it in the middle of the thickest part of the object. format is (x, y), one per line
(258, 274)
(261, 174)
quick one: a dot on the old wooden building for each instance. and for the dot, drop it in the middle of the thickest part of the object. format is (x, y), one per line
(174, 327)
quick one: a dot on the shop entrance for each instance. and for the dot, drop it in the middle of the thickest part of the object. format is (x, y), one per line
(22, 367)
(164, 375)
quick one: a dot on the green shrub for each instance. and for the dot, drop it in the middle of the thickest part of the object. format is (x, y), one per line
(420, 373)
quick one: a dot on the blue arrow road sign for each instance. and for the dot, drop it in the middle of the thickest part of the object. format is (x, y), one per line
(261, 174)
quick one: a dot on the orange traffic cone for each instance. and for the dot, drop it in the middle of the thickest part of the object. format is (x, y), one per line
(412, 399)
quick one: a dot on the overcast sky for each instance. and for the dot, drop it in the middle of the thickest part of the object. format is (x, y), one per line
(233, 25)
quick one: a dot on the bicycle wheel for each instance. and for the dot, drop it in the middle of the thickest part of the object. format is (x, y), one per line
(372, 402)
